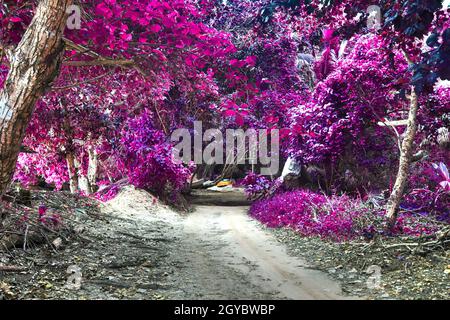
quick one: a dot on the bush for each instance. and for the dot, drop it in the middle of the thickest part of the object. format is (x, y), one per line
(337, 218)
(146, 158)
(311, 214)
(258, 186)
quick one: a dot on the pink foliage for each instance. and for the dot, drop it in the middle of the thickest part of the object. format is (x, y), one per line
(337, 218)
(311, 214)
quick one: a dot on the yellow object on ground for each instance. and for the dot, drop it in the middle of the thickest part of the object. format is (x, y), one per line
(223, 183)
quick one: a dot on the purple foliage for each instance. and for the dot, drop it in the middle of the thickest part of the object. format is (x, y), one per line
(337, 218)
(429, 194)
(108, 193)
(147, 158)
(341, 118)
(311, 214)
(258, 186)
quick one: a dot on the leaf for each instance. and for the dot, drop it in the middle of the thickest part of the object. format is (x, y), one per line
(15, 19)
(445, 185)
(155, 28)
(446, 37)
(229, 113)
(444, 171)
(432, 40)
(251, 61)
(239, 120)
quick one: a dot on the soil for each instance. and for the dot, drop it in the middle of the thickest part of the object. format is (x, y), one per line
(133, 247)
(403, 275)
(136, 248)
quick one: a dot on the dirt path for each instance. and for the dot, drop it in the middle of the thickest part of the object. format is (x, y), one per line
(142, 250)
(236, 240)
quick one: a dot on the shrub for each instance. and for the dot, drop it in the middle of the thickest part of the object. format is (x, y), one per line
(258, 186)
(337, 218)
(310, 213)
(146, 158)
(429, 194)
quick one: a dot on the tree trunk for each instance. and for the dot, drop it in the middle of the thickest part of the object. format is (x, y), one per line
(73, 172)
(92, 168)
(34, 64)
(84, 185)
(406, 154)
(83, 182)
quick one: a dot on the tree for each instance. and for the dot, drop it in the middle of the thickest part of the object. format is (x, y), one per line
(149, 67)
(406, 24)
(34, 64)
(337, 128)
(413, 21)
(130, 58)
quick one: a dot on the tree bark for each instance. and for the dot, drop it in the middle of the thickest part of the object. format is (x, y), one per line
(73, 172)
(406, 154)
(92, 168)
(34, 65)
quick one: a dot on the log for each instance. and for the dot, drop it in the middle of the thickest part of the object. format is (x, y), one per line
(12, 269)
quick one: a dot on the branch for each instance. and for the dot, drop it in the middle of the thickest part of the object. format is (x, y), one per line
(407, 57)
(100, 62)
(103, 62)
(393, 123)
(12, 269)
(98, 59)
(80, 48)
(83, 82)
(24, 149)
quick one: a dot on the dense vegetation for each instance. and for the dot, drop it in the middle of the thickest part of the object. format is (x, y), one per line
(138, 70)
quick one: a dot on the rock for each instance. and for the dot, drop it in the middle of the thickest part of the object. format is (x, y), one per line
(78, 229)
(57, 243)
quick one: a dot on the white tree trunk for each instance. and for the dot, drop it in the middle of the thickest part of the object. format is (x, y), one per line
(93, 168)
(406, 154)
(73, 172)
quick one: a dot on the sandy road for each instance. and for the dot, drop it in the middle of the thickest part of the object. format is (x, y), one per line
(229, 236)
(143, 250)
(214, 252)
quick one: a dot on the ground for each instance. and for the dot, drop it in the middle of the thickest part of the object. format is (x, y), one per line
(135, 248)
(402, 275)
